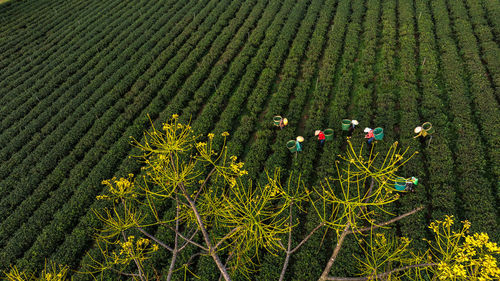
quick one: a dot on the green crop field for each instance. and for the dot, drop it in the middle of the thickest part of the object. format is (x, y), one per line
(79, 78)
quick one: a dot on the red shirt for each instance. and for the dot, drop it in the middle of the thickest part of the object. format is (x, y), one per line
(369, 135)
(321, 136)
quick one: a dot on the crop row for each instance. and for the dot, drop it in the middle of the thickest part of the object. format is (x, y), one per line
(88, 141)
(309, 261)
(55, 143)
(21, 70)
(96, 131)
(472, 184)
(484, 104)
(128, 114)
(438, 156)
(216, 73)
(33, 32)
(493, 13)
(90, 184)
(11, 11)
(204, 265)
(215, 105)
(166, 54)
(70, 61)
(405, 79)
(276, 102)
(215, 48)
(30, 106)
(52, 112)
(16, 85)
(301, 62)
(351, 100)
(489, 48)
(245, 54)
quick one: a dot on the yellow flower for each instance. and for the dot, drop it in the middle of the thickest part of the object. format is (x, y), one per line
(448, 221)
(492, 247)
(225, 134)
(175, 116)
(434, 227)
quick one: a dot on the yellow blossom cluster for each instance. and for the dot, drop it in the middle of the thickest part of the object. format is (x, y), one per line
(122, 188)
(129, 250)
(462, 256)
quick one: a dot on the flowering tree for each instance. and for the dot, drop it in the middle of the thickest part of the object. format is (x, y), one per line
(229, 218)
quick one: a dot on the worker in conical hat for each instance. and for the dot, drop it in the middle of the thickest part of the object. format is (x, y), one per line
(411, 184)
(421, 134)
(370, 137)
(283, 123)
(321, 138)
(298, 144)
(354, 123)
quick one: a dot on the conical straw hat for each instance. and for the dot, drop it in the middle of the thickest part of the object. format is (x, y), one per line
(367, 130)
(417, 130)
(355, 122)
(317, 132)
(300, 138)
(285, 121)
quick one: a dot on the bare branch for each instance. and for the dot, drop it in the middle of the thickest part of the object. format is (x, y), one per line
(387, 222)
(226, 237)
(123, 273)
(288, 253)
(135, 260)
(206, 237)
(307, 237)
(336, 251)
(154, 239)
(204, 182)
(380, 275)
(187, 242)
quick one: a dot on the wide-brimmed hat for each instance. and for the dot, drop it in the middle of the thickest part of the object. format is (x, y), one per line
(300, 138)
(355, 122)
(317, 132)
(367, 130)
(417, 130)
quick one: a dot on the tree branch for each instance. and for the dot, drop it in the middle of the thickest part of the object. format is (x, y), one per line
(189, 240)
(176, 243)
(336, 251)
(204, 182)
(206, 237)
(375, 226)
(135, 260)
(307, 237)
(226, 237)
(154, 239)
(380, 275)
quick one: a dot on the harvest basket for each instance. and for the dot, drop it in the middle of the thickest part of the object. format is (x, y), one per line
(378, 133)
(345, 124)
(291, 146)
(276, 120)
(329, 134)
(427, 126)
(400, 184)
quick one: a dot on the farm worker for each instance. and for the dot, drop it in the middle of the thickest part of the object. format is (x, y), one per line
(299, 146)
(283, 123)
(369, 136)
(421, 134)
(411, 184)
(321, 138)
(351, 128)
